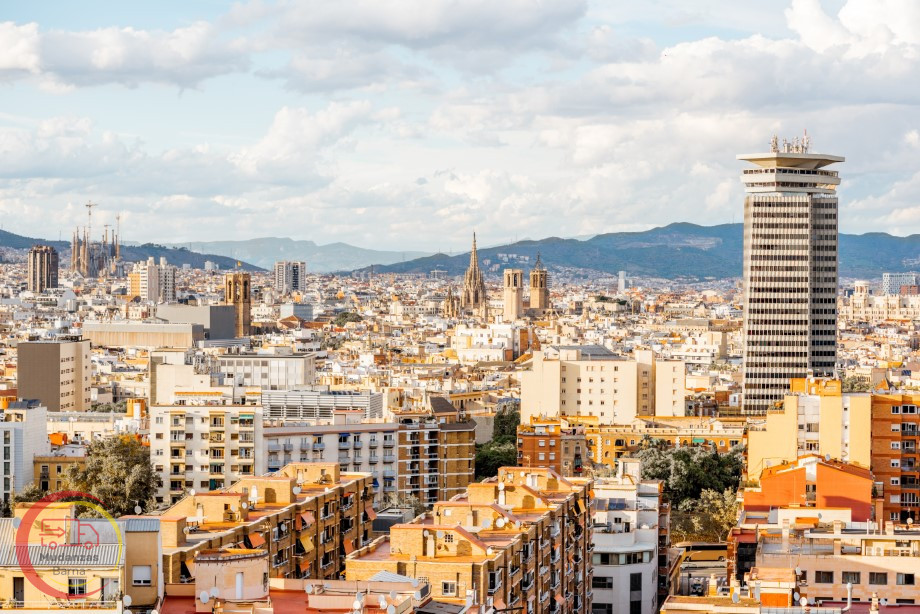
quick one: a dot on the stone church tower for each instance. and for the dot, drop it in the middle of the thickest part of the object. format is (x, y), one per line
(474, 297)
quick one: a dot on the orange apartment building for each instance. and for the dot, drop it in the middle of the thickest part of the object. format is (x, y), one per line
(435, 453)
(307, 517)
(553, 444)
(895, 462)
(521, 540)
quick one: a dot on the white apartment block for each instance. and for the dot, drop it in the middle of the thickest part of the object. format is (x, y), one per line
(892, 282)
(269, 371)
(592, 381)
(319, 404)
(204, 447)
(290, 277)
(627, 538)
(23, 434)
(355, 446)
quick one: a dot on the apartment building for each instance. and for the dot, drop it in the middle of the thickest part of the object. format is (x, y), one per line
(554, 444)
(590, 380)
(50, 471)
(289, 277)
(814, 418)
(435, 452)
(204, 447)
(318, 404)
(630, 537)
(269, 371)
(57, 373)
(895, 463)
(23, 433)
(518, 541)
(125, 561)
(307, 517)
(609, 442)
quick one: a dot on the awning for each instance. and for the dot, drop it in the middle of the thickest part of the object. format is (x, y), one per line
(560, 599)
(498, 604)
(698, 440)
(349, 546)
(304, 566)
(591, 493)
(376, 483)
(579, 506)
(256, 540)
(371, 514)
(306, 542)
(308, 519)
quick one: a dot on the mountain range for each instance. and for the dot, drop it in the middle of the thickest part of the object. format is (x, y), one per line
(264, 252)
(134, 253)
(680, 250)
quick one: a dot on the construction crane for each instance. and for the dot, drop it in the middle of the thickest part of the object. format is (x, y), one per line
(117, 235)
(89, 213)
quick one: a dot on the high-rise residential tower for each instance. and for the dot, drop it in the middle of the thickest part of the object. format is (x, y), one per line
(290, 277)
(43, 268)
(790, 270)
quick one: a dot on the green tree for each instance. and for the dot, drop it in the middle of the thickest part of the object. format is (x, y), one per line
(507, 420)
(492, 455)
(119, 473)
(707, 519)
(29, 494)
(854, 384)
(345, 317)
(689, 470)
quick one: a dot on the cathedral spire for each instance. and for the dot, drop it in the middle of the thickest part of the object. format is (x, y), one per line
(474, 256)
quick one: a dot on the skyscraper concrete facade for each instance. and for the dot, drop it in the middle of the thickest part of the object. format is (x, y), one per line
(790, 270)
(290, 277)
(43, 268)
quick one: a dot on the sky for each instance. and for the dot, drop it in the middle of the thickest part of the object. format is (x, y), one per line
(408, 124)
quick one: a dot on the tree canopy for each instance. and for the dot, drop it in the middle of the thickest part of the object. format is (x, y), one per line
(707, 519)
(345, 317)
(119, 473)
(688, 471)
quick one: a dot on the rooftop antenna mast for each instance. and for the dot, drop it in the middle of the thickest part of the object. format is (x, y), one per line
(117, 235)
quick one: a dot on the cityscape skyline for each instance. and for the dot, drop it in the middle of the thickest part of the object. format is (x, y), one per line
(622, 118)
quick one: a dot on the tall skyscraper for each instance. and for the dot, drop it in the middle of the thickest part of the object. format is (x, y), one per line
(57, 373)
(43, 268)
(539, 286)
(790, 269)
(290, 277)
(513, 295)
(238, 292)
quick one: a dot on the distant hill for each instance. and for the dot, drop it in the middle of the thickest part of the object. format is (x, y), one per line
(134, 253)
(264, 252)
(676, 250)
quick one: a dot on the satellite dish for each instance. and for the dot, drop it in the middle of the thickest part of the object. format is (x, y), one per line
(16, 522)
(391, 610)
(884, 601)
(126, 600)
(127, 612)
(204, 597)
(827, 457)
(489, 551)
(500, 523)
(308, 589)
(138, 509)
(192, 492)
(215, 591)
(440, 534)
(393, 594)
(811, 601)
(186, 530)
(798, 571)
(910, 521)
(357, 605)
(796, 596)
(501, 486)
(417, 595)
(425, 533)
(447, 512)
(297, 490)
(415, 582)
(469, 601)
(382, 601)
(245, 505)
(736, 597)
(803, 602)
(154, 612)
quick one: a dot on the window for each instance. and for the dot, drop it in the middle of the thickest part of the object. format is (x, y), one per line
(77, 586)
(824, 577)
(895, 481)
(449, 538)
(851, 576)
(601, 582)
(602, 608)
(141, 575)
(635, 582)
(895, 445)
(878, 577)
(448, 589)
(905, 579)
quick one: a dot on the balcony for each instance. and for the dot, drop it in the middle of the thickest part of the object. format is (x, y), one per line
(389, 443)
(372, 443)
(317, 446)
(344, 445)
(389, 473)
(373, 460)
(357, 444)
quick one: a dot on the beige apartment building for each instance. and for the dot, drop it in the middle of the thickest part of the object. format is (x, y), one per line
(307, 517)
(521, 540)
(815, 418)
(591, 380)
(57, 373)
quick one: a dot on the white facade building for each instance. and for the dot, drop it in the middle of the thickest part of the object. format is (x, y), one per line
(23, 434)
(290, 277)
(790, 270)
(892, 282)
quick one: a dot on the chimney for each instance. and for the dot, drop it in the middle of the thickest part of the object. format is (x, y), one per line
(889, 528)
(838, 527)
